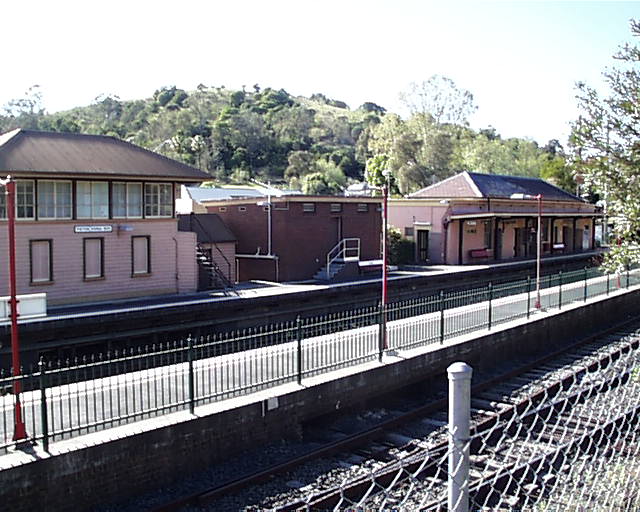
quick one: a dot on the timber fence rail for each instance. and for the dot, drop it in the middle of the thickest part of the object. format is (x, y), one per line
(64, 399)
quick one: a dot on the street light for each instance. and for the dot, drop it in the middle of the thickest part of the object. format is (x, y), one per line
(538, 303)
(385, 194)
(19, 431)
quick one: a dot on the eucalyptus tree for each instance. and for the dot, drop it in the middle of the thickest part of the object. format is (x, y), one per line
(605, 144)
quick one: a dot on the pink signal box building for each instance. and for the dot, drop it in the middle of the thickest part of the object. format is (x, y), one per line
(95, 218)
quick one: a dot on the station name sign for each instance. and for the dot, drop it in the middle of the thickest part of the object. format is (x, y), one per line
(92, 229)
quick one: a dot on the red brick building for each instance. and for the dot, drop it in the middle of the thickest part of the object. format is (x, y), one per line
(288, 238)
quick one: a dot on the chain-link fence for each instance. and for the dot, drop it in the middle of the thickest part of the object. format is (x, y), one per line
(567, 441)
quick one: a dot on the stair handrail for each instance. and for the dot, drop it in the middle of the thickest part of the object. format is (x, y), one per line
(194, 216)
(341, 251)
(213, 265)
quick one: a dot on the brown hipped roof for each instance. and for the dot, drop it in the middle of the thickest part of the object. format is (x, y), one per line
(30, 151)
(479, 185)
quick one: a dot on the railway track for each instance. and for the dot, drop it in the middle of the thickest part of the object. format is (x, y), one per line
(402, 461)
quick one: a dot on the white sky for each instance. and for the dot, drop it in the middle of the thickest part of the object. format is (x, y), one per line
(519, 59)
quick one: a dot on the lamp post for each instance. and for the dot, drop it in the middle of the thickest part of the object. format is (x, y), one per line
(538, 303)
(539, 251)
(385, 195)
(19, 431)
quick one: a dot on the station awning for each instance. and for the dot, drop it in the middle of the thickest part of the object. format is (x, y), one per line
(515, 215)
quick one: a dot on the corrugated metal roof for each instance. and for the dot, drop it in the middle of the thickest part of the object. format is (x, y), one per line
(208, 227)
(494, 186)
(220, 194)
(71, 153)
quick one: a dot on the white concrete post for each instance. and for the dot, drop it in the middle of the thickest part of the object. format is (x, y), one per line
(459, 418)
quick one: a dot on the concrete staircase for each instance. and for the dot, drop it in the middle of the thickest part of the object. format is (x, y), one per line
(323, 275)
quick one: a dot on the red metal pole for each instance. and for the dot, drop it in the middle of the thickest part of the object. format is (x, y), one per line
(19, 431)
(384, 264)
(539, 251)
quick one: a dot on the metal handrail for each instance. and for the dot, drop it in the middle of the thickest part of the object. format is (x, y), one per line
(342, 251)
(193, 216)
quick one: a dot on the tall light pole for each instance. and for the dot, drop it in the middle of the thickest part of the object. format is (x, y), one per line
(385, 195)
(538, 303)
(19, 430)
(539, 251)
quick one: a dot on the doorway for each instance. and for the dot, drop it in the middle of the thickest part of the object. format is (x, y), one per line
(498, 250)
(338, 230)
(423, 245)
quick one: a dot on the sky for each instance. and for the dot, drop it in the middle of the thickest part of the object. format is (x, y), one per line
(519, 59)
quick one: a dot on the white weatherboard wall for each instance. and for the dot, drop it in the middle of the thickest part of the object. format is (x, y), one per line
(29, 306)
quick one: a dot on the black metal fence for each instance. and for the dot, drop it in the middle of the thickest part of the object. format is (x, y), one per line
(62, 399)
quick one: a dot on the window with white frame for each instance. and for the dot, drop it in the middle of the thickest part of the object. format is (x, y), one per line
(309, 207)
(54, 199)
(93, 258)
(140, 255)
(158, 200)
(92, 200)
(25, 200)
(127, 200)
(41, 261)
(363, 207)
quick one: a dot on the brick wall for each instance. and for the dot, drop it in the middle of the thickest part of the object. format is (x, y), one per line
(300, 239)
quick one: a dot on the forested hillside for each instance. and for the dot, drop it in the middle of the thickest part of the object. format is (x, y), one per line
(315, 144)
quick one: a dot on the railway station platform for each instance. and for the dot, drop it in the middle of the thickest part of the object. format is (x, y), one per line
(67, 332)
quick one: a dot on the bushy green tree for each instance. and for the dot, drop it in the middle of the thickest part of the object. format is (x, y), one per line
(605, 143)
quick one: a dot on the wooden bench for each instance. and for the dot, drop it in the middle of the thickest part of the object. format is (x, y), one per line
(480, 253)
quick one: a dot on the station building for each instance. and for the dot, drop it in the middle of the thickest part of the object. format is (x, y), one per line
(478, 218)
(286, 236)
(95, 218)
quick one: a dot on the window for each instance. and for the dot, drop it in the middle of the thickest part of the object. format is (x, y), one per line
(242, 208)
(93, 257)
(24, 200)
(140, 255)
(54, 199)
(158, 199)
(363, 207)
(25, 204)
(408, 231)
(308, 207)
(336, 207)
(92, 200)
(222, 209)
(127, 200)
(41, 261)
